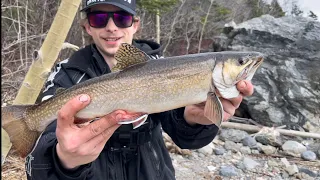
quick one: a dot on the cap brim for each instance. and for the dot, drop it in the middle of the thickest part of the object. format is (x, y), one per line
(112, 3)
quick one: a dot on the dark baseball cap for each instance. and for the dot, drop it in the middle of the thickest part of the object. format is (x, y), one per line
(127, 5)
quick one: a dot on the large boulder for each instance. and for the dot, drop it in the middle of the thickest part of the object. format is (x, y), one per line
(287, 86)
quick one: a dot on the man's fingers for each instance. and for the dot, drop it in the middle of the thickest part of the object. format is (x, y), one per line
(69, 110)
(97, 127)
(229, 109)
(96, 144)
(245, 87)
(236, 101)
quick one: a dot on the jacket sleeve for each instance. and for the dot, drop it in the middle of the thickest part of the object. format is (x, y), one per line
(43, 162)
(184, 135)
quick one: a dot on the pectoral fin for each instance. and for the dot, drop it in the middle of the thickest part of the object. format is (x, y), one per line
(128, 55)
(213, 109)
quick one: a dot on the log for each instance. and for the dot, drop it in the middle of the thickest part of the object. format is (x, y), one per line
(253, 128)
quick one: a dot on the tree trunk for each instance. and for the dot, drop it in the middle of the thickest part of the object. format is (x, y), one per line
(44, 60)
(158, 26)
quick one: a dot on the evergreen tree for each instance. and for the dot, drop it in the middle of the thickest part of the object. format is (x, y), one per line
(296, 10)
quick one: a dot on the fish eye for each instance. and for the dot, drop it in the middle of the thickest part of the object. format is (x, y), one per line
(241, 61)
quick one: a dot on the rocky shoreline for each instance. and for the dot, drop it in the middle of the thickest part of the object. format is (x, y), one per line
(235, 154)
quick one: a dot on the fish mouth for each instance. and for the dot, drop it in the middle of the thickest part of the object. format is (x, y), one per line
(255, 64)
(259, 61)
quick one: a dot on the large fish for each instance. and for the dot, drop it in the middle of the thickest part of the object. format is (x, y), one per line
(139, 84)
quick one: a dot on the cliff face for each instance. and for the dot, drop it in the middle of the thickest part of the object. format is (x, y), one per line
(287, 86)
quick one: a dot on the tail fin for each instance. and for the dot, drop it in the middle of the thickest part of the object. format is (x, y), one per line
(13, 122)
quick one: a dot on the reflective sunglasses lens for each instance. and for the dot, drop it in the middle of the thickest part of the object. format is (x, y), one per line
(98, 20)
(122, 20)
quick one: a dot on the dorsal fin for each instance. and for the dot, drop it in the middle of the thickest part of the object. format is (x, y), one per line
(128, 55)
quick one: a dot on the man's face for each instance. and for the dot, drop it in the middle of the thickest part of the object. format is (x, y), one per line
(109, 38)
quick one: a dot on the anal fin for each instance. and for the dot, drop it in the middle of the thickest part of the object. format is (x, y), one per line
(213, 109)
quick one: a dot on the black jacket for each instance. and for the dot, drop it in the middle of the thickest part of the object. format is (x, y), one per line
(145, 156)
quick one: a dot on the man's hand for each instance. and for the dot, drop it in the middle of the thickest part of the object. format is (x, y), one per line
(77, 146)
(194, 114)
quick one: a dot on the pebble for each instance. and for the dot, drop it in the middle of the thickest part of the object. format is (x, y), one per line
(285, 175)
(309, 156)
(216, 160)
(273, 163)
(249, 141)
(307, 171)
(211, 168)
(228, 171)
(245, 150)
(285, 162)
(230, 145)
(266, 139)
(232, 135)
(255, 151)
(249, 163)
(292, 169)
(219, 151)
(293, 148)
(268, 149)
(206, 150)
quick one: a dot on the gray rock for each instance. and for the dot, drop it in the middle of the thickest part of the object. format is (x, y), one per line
(245, 150)
(293, 148)
(285, 162)
(287, 85)
(229, 145)
(304, 176)
(257, 147)
(249, 141)
(272, 140)
(228, 171)
(285, 175)
(314, 147)
(232, 135)
(273, 163)
(219, 151)
(308, 171)
(255, 151)
(292, 169)
(216, 160)
(249, 163)
(206, 150)
(308, 155)
(268, 149)
(241, 166)
(201, 155)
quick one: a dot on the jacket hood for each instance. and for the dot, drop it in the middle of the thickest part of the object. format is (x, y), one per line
(149, 47)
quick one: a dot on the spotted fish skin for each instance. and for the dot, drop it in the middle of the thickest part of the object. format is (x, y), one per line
(137, 84)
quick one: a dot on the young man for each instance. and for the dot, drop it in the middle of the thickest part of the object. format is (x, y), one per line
(104, 149)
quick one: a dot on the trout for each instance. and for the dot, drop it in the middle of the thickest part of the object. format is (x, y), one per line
(140, 84)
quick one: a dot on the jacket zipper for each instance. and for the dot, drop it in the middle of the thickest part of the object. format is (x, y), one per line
(155, 155)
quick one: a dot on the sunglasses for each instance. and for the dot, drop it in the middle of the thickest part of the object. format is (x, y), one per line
(99, 19)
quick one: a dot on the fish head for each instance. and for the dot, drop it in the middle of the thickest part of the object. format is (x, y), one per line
(232, 68)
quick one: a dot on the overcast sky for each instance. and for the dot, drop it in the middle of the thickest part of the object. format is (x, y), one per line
(304, 5)
(313, 5)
